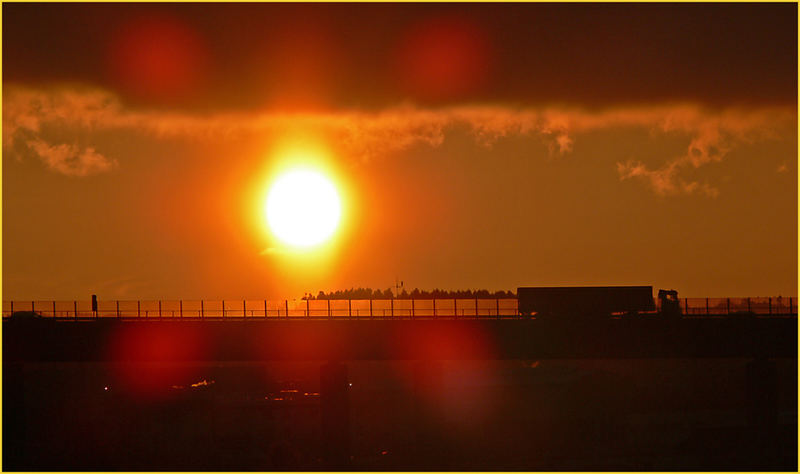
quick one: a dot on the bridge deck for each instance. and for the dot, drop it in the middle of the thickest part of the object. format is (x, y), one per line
(381, 339)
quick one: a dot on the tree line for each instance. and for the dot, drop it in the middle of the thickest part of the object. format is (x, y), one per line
(416, 293)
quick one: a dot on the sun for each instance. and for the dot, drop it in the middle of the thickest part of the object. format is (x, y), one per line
(303, 208)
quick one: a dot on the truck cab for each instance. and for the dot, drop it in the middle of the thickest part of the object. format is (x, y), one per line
(670, 304)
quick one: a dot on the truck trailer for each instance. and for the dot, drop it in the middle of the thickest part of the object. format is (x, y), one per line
(590, 302)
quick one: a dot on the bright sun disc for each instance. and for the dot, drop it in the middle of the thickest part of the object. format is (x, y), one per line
(303, 208)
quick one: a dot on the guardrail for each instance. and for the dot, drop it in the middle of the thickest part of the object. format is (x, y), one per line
(354, 308)
(779, 305)
(239, 309)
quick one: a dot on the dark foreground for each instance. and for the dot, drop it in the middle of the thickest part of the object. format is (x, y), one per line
(655, 414)
(435, 395)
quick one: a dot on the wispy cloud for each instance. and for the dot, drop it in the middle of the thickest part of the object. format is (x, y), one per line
(664, 180)
(272, 251)
(29, 114)
(70, 159)
(122, 286)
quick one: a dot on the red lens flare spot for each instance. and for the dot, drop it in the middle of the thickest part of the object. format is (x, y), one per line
(157, 58)
(433, 340)
(443, 58)
(429, 343)
(151, 358)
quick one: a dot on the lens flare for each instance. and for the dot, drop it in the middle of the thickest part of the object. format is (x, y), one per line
(303, 208)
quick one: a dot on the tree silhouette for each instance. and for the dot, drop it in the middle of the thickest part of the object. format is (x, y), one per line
(416, 293)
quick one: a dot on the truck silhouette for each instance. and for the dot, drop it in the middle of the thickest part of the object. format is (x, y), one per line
(591, 302)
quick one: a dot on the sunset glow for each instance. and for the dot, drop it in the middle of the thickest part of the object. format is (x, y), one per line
(302, 208)
(467, 147)
(393, 236)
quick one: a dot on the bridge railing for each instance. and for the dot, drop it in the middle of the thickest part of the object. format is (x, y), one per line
(355, 308)
(776, 306)
(249, 308)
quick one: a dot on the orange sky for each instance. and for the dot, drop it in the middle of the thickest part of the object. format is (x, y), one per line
(135, 168)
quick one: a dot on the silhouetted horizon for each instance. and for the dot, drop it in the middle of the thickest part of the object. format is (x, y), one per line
(388, 293)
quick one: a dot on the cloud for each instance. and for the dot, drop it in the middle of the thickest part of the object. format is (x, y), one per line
(71, 160)
(664, 180)
(30, 117)
(272, 251)
(124, 286)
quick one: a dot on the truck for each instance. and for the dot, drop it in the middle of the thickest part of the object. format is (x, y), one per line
(592, 302)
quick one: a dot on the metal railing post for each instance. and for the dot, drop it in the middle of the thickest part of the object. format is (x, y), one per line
(180, 307)
(12, 306)
(748, 304)
(392, 307)
(434, 307)
(138, 309)
(455, 308)
(265, 308)
(350, 308)
(54, 309)
(244, 308)
(223, 309)
(159, 309)
(790, 305)
(329, 307)
(202, 310)
(497, 303)
(706, 306)
(308, 310)
(117, 309)
(686, 306)
(770, 306)
(729, 305)
(412, 308)
(74, 308)
(370, 307)
(286, 305)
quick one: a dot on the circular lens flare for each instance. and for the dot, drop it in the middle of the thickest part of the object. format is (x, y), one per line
(303, 208)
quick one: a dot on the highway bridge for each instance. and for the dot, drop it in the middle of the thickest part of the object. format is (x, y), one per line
(430, 308)
(111, 339)
(129, 334)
